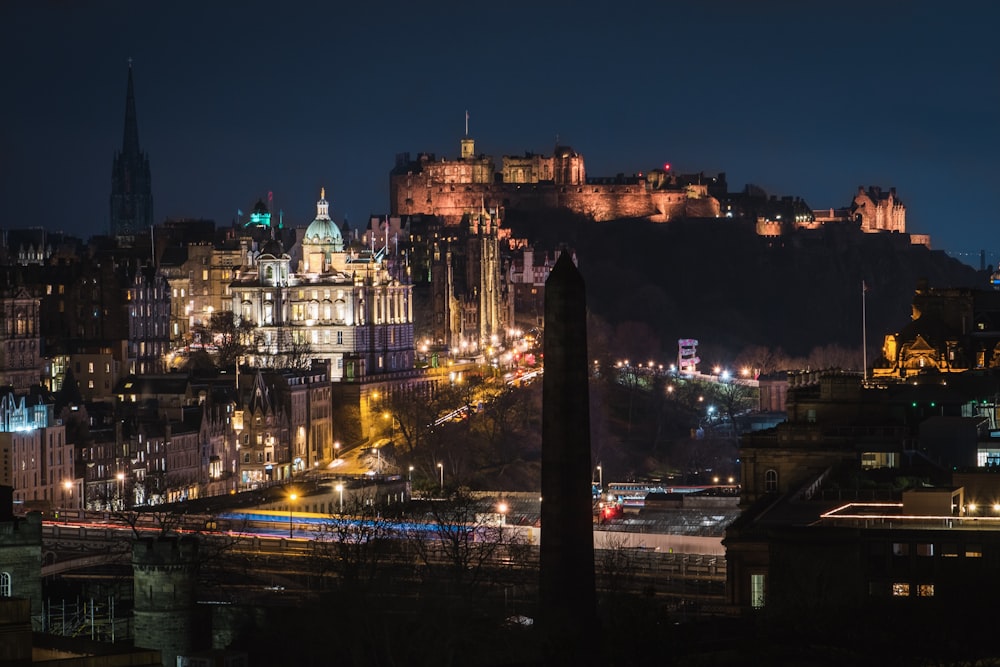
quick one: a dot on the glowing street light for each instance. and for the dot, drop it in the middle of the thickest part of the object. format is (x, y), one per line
(409, 477)
(291, 499)
(600, 478)
(441, 470)
(340, 489)
(502, 508)
(336, 450)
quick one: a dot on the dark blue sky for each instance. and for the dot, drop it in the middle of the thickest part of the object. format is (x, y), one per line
(236, 99)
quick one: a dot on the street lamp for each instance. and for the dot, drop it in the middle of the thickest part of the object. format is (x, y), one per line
(502, 508)
(291, 498)
(68, 486)
(600, 478)
(340, 489)
(336, 450)
(441, 469)
(409, 477)
(121, 489)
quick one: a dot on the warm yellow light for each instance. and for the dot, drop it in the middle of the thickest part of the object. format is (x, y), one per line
(972, 507)
(502, 508)
(292, 496)
(338, 488)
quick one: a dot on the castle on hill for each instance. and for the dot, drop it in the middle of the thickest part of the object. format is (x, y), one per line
(453, 189)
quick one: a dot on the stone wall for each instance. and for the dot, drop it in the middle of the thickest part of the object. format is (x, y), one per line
(164, 579)
(21, 558)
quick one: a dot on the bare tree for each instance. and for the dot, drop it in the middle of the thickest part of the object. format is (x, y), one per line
(466, 538)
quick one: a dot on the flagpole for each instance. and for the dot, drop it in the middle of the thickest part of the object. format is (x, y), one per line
(864, 332)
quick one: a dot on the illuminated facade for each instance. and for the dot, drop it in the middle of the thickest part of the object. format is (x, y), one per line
(37, 460)
(450, 189)
(352, 307)
(952, 330)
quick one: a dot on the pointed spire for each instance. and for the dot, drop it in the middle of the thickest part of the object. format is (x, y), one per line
(130, 139)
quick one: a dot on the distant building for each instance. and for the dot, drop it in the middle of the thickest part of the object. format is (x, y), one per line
(131, 184)
(451, 189)
(952, 330)
(37, 461)
(350, 306)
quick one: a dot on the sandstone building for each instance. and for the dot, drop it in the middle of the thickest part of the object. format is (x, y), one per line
(450, 189)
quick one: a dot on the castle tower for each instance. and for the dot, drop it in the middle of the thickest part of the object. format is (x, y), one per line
(131, 185)
(164, 577)
(468, 143)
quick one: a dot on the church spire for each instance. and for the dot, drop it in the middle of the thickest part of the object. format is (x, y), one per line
(131, 185)
(130, 138)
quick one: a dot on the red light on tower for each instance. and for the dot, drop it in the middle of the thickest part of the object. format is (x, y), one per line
(666, 166)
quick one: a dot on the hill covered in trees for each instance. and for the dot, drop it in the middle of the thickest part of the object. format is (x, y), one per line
(741, 294)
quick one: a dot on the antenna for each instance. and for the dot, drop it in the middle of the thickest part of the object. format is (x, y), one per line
(466, 122)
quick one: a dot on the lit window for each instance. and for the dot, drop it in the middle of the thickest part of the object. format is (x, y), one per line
(973, 551)
(5, 585)
(757, 591)
(901, 590)
(90, 367)
(925, 549)
(949, 551)
(925, 590)
(900, 549)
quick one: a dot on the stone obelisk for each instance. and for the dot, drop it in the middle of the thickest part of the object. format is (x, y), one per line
(567, 598)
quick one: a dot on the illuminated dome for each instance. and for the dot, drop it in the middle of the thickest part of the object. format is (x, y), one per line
(323, 229)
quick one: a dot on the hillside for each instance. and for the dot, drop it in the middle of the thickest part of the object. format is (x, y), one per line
(717, 281)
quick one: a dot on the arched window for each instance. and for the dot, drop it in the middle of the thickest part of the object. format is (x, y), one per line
(5, 585)
(771, 481)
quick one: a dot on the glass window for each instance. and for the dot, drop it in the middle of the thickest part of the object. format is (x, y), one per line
(900, 549)
(900, 590)
(771, 481)
(5, 585)
(925, 549)
(973, 551)
(925, 590)
(757, 591)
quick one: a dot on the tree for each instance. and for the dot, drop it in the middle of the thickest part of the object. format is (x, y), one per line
(467, 537)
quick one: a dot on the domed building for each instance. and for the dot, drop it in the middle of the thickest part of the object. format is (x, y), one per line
(347, 306)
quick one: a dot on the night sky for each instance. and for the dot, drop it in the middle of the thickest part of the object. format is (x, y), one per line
(236, 99)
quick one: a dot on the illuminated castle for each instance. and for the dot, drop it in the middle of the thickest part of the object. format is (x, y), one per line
(450, 189)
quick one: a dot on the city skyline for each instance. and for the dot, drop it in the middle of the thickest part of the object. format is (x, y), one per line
(234, 104)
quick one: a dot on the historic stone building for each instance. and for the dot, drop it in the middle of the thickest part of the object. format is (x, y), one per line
(131, 184)
(38, 462)
(451, 189)
(952, 330)
(20, 336)
(199, 276)
(470, 296)
(350, 306)
(21, 558)
(879, 211)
